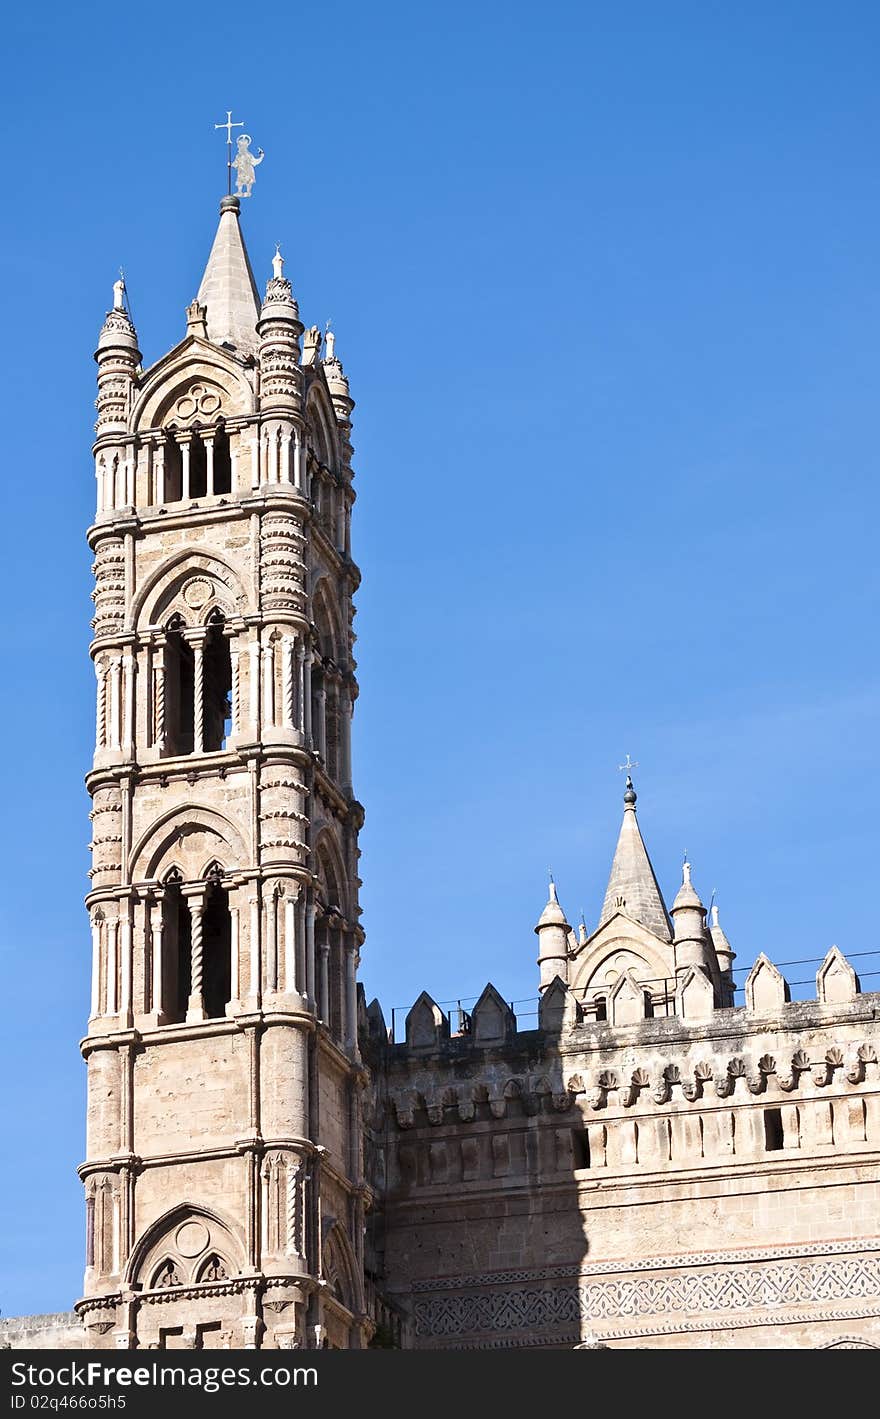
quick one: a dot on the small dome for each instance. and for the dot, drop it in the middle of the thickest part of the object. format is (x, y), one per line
(552, 915)
(688, 897)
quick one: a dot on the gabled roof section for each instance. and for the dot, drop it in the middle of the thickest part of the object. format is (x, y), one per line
(228, 288)
(632, 887)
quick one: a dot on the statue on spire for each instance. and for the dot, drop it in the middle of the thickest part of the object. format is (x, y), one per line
(244, 163)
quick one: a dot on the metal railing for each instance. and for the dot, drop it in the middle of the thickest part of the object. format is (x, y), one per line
(663, 997)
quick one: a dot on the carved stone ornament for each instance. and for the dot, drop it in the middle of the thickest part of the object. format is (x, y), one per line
(197, 593)
(192, 1239)
(197, 401)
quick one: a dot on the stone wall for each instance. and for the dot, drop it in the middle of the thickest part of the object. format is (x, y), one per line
(663, 1182)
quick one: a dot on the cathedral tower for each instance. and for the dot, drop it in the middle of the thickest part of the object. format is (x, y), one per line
(224, 1181)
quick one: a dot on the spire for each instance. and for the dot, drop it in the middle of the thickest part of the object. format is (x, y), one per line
(632, 886)
(228, 288)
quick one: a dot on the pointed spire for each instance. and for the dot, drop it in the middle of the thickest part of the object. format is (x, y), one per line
(228, 288)
(632, 886)
(582, 931)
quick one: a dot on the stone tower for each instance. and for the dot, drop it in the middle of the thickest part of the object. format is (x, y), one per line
(224, 1183)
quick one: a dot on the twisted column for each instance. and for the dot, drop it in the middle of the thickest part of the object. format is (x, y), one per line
(198, 644)
(101, 711)
(196, 1004)
(288, 682)
(235, 695)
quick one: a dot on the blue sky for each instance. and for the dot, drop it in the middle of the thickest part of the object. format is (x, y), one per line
(604, 279)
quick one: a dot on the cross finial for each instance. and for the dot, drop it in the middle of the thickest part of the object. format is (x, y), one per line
(229, 125)
(628, 767)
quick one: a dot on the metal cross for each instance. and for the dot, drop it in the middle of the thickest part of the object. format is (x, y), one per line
(229, 125)
(628, 766)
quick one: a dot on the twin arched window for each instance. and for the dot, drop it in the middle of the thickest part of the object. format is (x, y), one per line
(197, 464)
(198, 683)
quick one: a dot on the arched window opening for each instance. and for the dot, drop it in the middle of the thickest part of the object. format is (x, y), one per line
(217, 672)
(216, 949)
(173, 470)
(177, 951)
(179, 691)
(601, 1008)
(222, 462)
(198, 467)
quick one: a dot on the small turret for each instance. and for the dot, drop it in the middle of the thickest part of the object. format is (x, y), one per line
(337, 382)
(279, 329)
(553, 934)
(726, 957)
(692, 942)
(118, 358)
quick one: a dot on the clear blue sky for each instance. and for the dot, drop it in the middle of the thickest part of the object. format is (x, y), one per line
(604, 278)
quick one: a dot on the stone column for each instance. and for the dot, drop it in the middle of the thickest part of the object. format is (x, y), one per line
(157, 941)
(288, 682)
(101, 707)
(95, 1008)
(234, 972)
(197, 640)
(324, 979)
(129, 668)
(255, 946)
(254, 675)
(269, 685)
(351, 960)
(159, 472)
(307, 695)
(209, 466)
(184, 442)
(300, 685)
(115, 673)
(321, 726)
(112, 929)
(300, 943)
(235, 693)
(345, 708)
(310, 952)
(195, 900)
(290, 978)
(159, 693)
(297, 459)
(272, 939)
(125, 944)
(285, 458)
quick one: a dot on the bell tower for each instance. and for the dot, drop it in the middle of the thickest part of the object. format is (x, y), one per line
(224, 1179)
